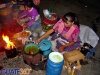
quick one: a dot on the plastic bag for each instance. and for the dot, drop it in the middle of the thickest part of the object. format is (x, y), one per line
(87, 35)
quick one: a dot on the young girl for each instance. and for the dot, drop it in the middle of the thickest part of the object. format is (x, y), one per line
(66, 33)
(30, 17)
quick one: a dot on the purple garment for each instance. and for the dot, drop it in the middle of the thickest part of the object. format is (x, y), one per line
(61, 33)
(66, 31)
(67, 49)
(70, 48)
(30, 14)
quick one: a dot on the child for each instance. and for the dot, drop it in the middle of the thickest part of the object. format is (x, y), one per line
(30, 17)
(66, 33)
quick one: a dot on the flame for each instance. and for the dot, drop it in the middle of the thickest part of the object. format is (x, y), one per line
(10, 45)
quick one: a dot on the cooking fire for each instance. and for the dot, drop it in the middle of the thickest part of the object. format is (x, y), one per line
(10, 48)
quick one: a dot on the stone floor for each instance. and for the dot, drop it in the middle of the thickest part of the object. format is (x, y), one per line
(86, 14)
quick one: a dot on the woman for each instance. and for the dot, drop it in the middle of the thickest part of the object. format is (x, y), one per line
(66, 33)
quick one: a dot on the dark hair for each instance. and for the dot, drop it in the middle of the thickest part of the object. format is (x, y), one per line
(30, 4)
(72, 16)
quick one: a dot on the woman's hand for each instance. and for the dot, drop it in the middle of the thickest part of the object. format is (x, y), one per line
(24, 26)
(36, 2)
(37, 40)
(61, 49)
(14, 18)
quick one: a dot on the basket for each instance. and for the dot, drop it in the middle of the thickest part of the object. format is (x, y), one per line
(6, 11)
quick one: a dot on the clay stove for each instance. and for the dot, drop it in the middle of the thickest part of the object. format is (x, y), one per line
(10, 49)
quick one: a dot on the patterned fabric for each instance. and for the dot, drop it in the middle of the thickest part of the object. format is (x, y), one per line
(62, 33)
(60, 28)
(58, 43)
(73, 36)
(69, 48)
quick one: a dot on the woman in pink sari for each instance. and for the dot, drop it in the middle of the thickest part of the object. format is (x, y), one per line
(66, 33)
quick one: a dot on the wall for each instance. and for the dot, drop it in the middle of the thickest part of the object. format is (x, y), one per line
(95, 3)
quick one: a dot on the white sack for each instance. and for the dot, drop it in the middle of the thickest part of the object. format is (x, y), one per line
(87, 35)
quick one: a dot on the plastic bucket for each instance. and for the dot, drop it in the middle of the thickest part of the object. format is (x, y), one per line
(54, 63)
(47, 20)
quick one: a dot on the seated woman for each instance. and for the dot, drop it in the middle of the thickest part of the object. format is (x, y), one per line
(66, 33)
(30, 17)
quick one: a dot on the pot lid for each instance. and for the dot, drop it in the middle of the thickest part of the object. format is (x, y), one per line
(45, 45)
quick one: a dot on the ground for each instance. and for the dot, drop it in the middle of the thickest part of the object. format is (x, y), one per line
(86, 14)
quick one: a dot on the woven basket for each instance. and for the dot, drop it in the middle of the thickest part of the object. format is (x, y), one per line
(5, 11)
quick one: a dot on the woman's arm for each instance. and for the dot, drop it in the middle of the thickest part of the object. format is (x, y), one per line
(69, 44)
(21, 15)
(61, 49)
(44, 35)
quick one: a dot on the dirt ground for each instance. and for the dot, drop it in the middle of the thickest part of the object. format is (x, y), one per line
(87, 15)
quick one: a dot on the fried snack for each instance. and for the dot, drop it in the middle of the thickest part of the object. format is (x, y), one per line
(17, 35)
(25, 34)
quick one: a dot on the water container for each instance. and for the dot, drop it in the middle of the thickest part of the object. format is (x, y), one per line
(45, 46)
(55, 63)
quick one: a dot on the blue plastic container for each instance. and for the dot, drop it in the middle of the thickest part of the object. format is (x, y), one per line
(55, 63)
(45, 46)
(47, 52)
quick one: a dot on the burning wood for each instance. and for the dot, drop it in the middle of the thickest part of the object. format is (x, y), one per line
(10, 45)
(9, 48)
